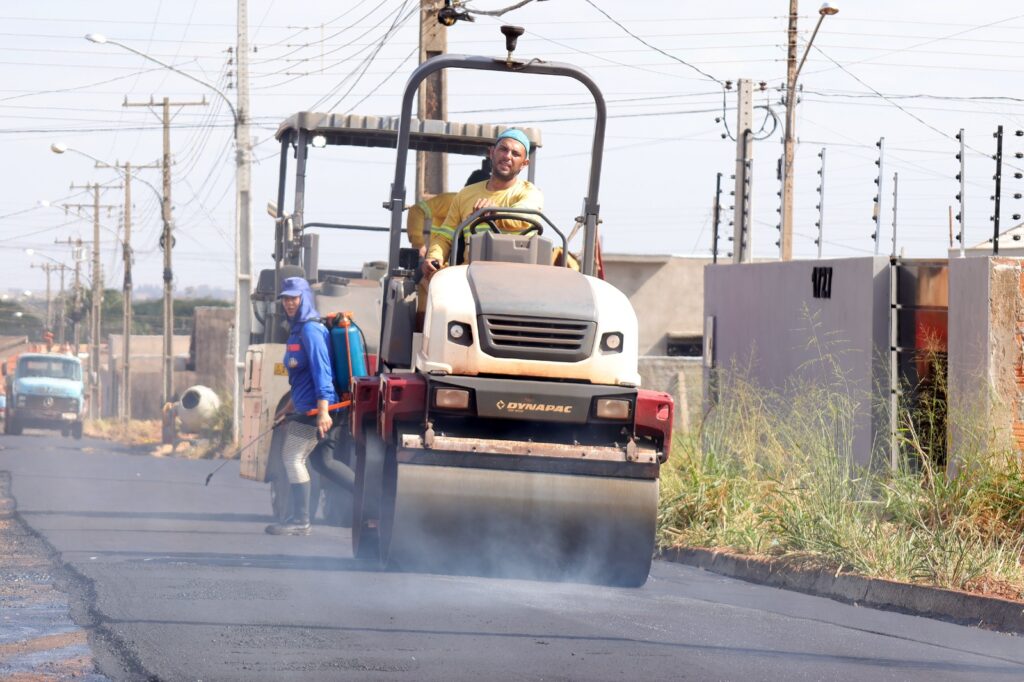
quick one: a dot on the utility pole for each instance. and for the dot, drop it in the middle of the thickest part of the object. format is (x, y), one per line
(432, 167)
(243, 196)
(76, 304)
(167, 244)
(97, 295)
(786, 234)
(49, 268)
(63, 306)
(742, 242)
(126, 301)
(125, 394)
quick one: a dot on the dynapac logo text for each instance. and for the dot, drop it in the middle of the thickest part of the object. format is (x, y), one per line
(533, 407)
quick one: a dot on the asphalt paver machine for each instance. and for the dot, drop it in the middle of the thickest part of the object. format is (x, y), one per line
(510, 435)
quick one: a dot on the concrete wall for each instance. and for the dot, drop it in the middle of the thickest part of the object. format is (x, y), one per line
(204, 358)
(147, 373)
(986, 354)
(211, 349)
(768, 324)
(667, 293)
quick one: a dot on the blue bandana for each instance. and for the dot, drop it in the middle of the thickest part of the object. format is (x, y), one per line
(517, 135)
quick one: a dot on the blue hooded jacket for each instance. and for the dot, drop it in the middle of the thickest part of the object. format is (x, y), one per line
(307, 357)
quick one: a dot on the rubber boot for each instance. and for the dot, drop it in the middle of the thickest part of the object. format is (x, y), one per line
(298, 522)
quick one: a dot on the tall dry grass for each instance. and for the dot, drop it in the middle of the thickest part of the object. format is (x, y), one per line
(771, 473)
(134, 432)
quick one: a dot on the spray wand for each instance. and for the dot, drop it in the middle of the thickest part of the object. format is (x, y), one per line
(277, 422)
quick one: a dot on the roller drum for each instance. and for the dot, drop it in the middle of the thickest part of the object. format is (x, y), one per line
(523, 524)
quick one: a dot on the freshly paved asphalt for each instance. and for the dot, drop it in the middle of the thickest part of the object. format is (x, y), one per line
(177, 581)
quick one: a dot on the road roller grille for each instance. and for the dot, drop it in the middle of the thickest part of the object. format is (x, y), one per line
(536, 338)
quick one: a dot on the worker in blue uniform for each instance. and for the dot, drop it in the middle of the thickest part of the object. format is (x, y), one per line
(308, 363)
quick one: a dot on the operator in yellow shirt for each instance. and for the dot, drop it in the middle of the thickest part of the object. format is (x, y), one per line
(509, 155)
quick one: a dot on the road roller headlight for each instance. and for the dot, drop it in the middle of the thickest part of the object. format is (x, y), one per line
(612, 408)
(451, 399)
(460, 333)
(612, 342)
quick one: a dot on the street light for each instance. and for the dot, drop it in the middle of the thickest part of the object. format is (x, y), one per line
(60, 148)
(243, 201)
(792, 73)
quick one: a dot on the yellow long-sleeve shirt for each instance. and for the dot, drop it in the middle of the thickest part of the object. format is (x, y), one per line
(523, 194)
(425, 215)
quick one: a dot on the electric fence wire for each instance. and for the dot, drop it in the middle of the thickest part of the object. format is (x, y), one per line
(899, 106)
(769, 112)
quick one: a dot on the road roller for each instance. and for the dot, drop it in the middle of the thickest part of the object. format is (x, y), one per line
(505, 432)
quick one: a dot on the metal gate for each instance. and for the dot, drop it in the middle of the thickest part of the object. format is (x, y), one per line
(918, 345)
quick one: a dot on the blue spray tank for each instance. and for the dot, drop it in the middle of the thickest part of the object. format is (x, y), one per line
(348, 351)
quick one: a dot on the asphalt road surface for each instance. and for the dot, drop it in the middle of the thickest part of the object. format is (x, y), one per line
(177, 581)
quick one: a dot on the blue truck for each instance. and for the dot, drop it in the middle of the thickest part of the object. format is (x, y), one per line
(44, 391)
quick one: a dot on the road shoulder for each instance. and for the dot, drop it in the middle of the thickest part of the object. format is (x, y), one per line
(39, 640)
(959, 607)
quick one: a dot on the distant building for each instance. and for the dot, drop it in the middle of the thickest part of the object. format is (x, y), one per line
(1011, 245)
(667, 293)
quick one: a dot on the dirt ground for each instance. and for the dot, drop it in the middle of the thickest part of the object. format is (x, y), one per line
(38, 640)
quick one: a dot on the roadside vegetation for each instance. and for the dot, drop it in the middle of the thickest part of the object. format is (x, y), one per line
(770, 474)
(210, 443)
(134, 432)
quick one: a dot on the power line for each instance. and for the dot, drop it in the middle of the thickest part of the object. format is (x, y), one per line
(299, 48)
(879, 94)
(385, 79)
(653, 47)
(952, 36)
(396, 23)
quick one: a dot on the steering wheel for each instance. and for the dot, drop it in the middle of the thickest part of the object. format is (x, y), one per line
(492, 226)
(490, 218)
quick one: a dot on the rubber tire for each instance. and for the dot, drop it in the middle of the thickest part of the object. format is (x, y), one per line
(65, 432)
(12, 427)
(76, 430)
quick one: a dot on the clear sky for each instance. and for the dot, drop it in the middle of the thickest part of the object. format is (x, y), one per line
(911, 71)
